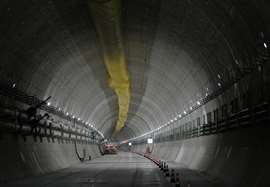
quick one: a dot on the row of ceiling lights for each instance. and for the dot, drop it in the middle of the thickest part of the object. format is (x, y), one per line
(73, 117)
(179, 116)
(166, 124)
(78, 119)
(171, 121)
(70, 115)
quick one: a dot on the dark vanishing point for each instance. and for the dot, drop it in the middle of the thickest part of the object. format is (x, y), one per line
(134, 93)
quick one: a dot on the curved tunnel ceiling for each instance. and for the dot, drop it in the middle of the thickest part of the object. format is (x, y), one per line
(176, 52)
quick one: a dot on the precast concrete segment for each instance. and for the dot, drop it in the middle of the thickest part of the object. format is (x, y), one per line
(107, 18)
(234, 158)
(123, 169)
(20, 159)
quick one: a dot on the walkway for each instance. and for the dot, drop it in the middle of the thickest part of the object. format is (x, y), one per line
(121, 170)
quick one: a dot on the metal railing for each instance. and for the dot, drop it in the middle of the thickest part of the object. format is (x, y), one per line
(22, 97)
(14, 120)
(258, 115)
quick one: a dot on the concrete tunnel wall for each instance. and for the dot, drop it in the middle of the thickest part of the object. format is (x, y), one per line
(174, 51)
(21, 158)
(239, 158)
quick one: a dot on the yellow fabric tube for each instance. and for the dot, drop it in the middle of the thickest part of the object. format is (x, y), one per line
(107, 17)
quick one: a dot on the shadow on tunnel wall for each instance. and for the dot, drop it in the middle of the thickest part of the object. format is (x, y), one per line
(140, 18)
(77, 20)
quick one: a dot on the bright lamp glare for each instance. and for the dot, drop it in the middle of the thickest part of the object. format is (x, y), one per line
(130, 144)
(149, 140)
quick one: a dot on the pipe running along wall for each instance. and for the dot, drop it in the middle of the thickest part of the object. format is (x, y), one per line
(107, 18)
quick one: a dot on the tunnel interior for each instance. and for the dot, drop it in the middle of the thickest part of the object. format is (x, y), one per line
(191, 76)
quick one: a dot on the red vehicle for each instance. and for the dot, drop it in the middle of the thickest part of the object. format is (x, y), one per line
(110, 149)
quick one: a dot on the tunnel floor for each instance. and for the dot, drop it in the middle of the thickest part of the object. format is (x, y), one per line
(123, 169)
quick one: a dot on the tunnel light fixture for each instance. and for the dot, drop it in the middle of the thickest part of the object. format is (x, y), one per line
(185, 112)
(179, 115)
(73, 116)
(79, 119)
(175, 118)
(265, 45)
(13, 85)
(171, 121)
(130, 144)
(59, 109)
(48, 103)
(219, 84)
(67, 113)
(219, 76)
(150, 140)
(198, 103)
(190, 108)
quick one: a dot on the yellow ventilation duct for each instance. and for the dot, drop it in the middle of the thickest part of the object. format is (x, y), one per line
(107, 17)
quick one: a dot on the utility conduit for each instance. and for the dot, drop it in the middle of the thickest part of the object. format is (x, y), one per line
(107, 17)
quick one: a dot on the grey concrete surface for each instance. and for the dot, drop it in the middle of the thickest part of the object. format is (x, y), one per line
(120, 170)
(19, 159)
(177, 51)
(231, 159)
